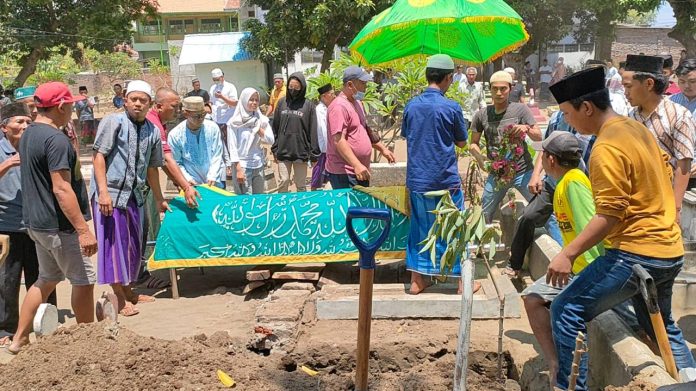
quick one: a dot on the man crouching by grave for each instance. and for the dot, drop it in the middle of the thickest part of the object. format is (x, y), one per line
(127, 153)
(635, 215)
(432, 126)
(574, 208)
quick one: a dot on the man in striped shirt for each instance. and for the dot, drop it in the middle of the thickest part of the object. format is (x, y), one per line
(686, 74)
(671, 124)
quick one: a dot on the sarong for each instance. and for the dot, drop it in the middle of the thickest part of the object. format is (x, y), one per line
(421, 221)
(119, 244)
(319, 177)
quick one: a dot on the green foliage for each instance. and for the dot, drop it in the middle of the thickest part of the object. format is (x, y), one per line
(546, 21)
(292, 25)
(685, 29)
(115, 65)
(58, 66)
(640, 18)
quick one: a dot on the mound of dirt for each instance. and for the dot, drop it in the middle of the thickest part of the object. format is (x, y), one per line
(97, 356)
(635, 385)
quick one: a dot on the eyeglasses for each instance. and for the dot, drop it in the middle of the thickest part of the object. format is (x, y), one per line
(198, 116)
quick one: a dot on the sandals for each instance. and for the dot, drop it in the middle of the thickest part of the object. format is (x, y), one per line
(129, 310)
(512, 273)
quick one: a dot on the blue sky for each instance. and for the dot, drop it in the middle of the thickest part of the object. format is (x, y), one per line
(665, 16)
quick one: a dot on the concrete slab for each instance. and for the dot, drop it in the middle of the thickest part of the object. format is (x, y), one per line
(540, 255)
(385, 174)
(684, 291)
(390, 301)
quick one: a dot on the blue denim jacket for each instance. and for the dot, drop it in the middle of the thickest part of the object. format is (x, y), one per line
(129, 150)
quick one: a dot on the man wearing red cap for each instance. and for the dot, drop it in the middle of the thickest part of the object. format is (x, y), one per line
(57, 220)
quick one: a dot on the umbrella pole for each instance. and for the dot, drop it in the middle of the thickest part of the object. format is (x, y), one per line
(462, 361)
(364, 328)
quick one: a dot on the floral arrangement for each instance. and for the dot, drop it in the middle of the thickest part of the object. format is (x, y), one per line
(504, 163)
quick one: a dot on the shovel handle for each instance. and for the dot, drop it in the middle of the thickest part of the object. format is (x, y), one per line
(367, 250)
(647, 288)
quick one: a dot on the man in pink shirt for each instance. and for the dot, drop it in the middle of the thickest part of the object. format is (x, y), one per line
(349, 148)
(164, 110)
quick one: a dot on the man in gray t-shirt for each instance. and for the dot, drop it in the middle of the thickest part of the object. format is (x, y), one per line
(493, 123)
(85, 113)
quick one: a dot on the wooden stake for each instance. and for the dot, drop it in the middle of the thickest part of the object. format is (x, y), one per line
(577, 355)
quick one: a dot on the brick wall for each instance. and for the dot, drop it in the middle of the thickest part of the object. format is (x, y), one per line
(100, 85)
(651, 41)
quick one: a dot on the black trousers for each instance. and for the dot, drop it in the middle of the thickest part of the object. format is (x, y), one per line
(22, 257)
(535, 215)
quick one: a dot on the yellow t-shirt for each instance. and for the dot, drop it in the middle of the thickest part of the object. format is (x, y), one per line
(632, 181)
(574, 208)
(276, 94)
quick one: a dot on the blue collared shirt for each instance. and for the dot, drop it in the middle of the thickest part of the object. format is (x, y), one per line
(431, 125)
(10, 192)
(681, 99)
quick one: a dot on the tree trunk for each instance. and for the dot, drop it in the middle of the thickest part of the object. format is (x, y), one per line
(605, 35)
(29, 66)
(326, 58)
(685, 30)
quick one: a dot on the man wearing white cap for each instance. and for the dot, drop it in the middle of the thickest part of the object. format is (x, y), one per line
(223, 99)
(279, 91)
(127, 154)
(517, 90)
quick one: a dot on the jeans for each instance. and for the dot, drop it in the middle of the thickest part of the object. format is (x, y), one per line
(253, 184)
(345, 181)
(538, 213)
(492, 197)
(22, 257)
(606, 282)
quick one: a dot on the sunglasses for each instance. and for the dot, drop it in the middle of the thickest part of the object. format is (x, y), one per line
(198, 116)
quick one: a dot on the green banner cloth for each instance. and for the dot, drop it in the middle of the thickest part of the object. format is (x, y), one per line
(287, 228)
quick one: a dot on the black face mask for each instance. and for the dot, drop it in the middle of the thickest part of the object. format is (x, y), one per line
(293, 92)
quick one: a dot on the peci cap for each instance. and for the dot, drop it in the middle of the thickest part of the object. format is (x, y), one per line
(356, 73)
(510, 70)
(195, 80)
(579, 84)
(562, 144)
(24, 92)
(193, 104)
(501, 77)
(441, 61)
(647, 64)
(324, 89)
(15, 109)
(594, 63)
(668, 61)
(139, 86)
(217, 72)
(54, 94)
(278, 76)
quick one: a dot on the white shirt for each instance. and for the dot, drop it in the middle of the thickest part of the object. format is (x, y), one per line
(475, 100)
(545, 77)
(221, 111)
(322, 112)
(244, 144)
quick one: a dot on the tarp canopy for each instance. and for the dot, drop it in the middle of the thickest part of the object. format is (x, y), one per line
(209, 48)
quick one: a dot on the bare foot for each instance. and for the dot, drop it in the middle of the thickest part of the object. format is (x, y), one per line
(5, 341)
(477, 287)
(17, 344)
(418, 284)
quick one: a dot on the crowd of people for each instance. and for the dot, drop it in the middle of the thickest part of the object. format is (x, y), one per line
(595, 182)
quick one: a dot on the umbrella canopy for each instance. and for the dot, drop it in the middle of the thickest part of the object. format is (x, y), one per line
(472, 31)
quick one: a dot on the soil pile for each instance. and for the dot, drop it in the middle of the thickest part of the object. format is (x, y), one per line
(98, 356)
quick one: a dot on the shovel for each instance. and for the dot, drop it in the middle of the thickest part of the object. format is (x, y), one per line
(367, 271)
(649, 292)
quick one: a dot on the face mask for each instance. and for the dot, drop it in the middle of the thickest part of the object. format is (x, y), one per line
(220, 82)
(293, 92)
(359, 95)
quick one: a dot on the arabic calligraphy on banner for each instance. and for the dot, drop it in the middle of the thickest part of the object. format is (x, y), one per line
(229, 230)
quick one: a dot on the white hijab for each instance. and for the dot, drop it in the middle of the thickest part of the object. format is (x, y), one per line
(243, 117)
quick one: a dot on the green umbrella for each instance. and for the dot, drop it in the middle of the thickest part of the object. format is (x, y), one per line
(472, 31)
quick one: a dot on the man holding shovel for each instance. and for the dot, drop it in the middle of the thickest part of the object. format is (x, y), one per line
(636, 215)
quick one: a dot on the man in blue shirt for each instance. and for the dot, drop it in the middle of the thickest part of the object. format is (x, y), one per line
(432, 126)
(686, 74)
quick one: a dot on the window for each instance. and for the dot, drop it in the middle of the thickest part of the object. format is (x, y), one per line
(181, 26)
(210, 26)
(570, 48)
(252, 13)
(234, 22)
(150, 27)
(586, 47)
(555, 48)
(309, 56)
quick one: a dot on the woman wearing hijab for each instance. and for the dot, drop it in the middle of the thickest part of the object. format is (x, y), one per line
(248, 128)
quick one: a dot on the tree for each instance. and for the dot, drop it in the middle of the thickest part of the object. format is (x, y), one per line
(65, 23)
(685, 30)
(292, 25)
(114, 65)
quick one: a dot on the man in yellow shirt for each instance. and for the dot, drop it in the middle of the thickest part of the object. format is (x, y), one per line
(278, 92)
(574, 208)
(635, 215)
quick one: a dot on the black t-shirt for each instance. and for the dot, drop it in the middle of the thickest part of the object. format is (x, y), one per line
(516, 93)
(45, 149)
(202, 93)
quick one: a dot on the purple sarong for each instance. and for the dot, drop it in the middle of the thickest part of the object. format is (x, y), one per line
(319, 177)
(118, 239)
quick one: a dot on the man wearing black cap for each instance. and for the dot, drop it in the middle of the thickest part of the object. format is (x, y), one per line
(326, 96)
(197, 91)
(671, 124)
(668, 72)
(635, 216)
